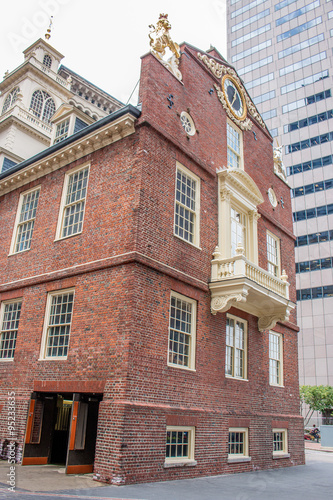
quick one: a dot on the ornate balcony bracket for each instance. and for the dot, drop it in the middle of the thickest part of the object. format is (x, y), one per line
(223, 303)
(239, 283)
(268, 322)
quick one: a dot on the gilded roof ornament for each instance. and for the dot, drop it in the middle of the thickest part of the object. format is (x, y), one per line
(161, 43)
(48, 31)
(279, 167)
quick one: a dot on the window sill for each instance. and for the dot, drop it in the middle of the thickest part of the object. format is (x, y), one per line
(277, 385)
(186, 241)
(235, 460)
(181, 367)
(17, 253)
(55, 358)
(281, 455)
(230, 377)
(7, 360)
(66, 237)
(183, 463)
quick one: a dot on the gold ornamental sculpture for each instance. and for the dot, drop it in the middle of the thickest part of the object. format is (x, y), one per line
(279, 167)
(161, 43)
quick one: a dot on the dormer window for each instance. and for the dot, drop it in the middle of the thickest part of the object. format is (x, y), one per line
(66, 122)
(47, 61)
(10, 99)
(62, 131)
(42, 105)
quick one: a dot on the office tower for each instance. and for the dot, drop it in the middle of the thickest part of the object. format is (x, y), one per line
(283, 52)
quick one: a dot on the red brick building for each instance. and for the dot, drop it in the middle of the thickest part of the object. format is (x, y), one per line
(147, 289)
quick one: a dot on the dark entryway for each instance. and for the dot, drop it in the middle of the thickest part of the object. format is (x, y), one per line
(59, 443)
(62, 429)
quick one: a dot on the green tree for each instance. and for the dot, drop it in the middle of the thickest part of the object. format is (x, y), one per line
(318, 398)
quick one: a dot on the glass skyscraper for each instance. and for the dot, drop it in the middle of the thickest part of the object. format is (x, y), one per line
(283, 52)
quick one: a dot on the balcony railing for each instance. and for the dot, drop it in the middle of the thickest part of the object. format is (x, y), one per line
(237, 282)
(27, 117)
(226, 269)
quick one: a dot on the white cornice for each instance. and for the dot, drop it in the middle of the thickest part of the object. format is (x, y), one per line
(104, 136)
(40, 43)
(50, 78)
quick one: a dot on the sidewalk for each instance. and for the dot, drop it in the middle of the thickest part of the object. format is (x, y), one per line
(312, 445)
(47, 478)
(295, 483)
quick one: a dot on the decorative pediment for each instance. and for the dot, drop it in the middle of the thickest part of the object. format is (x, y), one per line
(236, 180)
(63, 111)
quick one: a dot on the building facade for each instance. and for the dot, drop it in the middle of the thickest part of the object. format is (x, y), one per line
(283, 52)
(148, 329)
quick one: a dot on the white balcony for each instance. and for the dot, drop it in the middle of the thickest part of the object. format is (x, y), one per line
(237, 282)
(18, 111)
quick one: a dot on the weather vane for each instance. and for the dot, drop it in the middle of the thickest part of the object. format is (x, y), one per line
(48, 31)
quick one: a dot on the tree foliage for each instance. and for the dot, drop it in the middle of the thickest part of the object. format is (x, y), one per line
(318, 397)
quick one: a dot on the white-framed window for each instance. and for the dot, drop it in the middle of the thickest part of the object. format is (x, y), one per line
(182, 331)
(275, 358)
(238, 445)
(187, 205)
(238, 230)
(234, 146)
(73, 202)
(9, 320)
(273, 255)
(61, 131)
(25, 221)
(42, 105)
(236, 347)
(57, 324)
(180, 443)
(280, 442)
(10, 99)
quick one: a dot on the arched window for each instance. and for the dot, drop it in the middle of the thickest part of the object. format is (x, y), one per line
(47, 61)
(49, 110)
(10, 99)
(42, 105)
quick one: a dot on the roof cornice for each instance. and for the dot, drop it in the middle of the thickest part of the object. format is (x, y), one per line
(102, 133)
(23, 71)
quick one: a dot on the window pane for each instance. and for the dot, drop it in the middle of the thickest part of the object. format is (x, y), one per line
(185, 208)
(75, 203)
(59, 325)
(180, 332)
(9, 327)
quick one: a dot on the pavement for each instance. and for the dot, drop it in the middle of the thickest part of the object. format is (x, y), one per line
(313, 480)
(312, 445)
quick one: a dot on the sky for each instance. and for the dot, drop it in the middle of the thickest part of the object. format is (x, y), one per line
(103, 40)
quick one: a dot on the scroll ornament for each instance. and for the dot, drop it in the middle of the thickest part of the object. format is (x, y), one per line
(219, 70)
